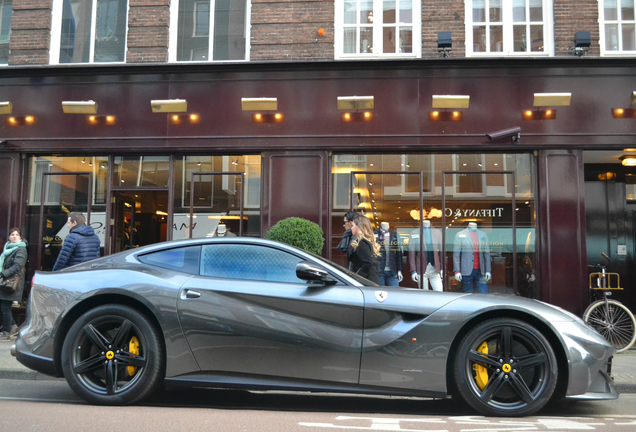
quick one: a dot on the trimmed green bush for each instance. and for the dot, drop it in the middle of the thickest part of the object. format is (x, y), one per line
(298, 232)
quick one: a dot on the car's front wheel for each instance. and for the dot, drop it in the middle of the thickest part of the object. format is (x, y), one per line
(113, 355)
(505, 367)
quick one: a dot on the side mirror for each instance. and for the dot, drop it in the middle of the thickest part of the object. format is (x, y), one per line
(311, 272)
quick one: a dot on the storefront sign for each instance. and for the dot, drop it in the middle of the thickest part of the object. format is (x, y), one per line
(496, 212)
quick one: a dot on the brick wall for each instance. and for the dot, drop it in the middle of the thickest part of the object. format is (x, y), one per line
(30, 32)
(282, 29)
(571, 16)
(288, 30)
(148, 31)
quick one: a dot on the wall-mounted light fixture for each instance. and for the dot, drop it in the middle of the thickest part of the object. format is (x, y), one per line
(169, 105)
(20, 121)
(626, 113)
(546, 114)
(443, 102)
(582, 42)
(628, 161)
(6, 107)
(444, 43)
(79, 107)
(179, 119)
(101, 120)
(358, 108)
(451, 101)
(259, 104)
(552, 99)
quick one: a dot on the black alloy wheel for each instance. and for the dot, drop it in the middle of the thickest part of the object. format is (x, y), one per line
(113, 355)
(505, 367)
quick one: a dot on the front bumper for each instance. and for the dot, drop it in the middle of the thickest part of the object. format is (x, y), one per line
(602, 386)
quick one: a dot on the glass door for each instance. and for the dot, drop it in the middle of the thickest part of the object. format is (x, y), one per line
(140, 218)
(60, 194)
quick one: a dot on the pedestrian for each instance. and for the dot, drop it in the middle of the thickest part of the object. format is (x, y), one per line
(364, 251)
(81, 244)
(347, 237)
(12, 262)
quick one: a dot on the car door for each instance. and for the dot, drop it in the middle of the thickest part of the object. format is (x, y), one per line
(248, 313)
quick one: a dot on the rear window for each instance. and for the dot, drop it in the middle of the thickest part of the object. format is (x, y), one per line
(185, 259)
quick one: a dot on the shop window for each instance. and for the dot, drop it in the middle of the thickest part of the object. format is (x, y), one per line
(378, 28)
(618, 27)
(509, 27)
(6, 11)
(216, 198)
(89, 31)
(209, 30)
(458, 190)
(241, 261)
(140, 171)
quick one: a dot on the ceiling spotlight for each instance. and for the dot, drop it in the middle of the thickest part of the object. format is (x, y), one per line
(628, 161)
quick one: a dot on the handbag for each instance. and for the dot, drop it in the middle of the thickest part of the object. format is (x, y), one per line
(10, 285)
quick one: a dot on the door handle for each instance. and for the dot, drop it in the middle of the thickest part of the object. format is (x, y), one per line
(190, 294)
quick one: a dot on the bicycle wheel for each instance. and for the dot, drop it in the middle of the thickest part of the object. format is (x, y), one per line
(614, 322)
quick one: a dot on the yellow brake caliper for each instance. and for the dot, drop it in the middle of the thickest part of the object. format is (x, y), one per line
(133, 348)
(481, 373)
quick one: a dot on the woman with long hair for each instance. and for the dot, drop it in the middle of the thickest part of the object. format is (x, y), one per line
(364, 250)
(12, 262)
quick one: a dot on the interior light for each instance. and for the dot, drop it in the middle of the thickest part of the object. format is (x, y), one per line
(29, 119)
(628, 161)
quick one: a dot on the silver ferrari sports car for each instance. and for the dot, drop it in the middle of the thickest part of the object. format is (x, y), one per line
(259, 315)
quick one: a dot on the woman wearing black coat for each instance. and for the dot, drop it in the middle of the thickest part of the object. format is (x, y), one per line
(364, 251)
(12, 261)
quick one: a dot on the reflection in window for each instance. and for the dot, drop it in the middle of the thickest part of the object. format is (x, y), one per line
(618, 26)
(139, 171)
(237, 261)
(80, 35)
(211, 29)
(181, 259)
(6, 11)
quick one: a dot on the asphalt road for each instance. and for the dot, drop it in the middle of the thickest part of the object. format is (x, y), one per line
(50, 406)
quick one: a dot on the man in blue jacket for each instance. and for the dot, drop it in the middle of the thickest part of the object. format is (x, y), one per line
(81, 244)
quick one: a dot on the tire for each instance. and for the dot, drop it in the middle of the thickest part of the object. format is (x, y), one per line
(514, 376)
(614, 322)
(97, 360)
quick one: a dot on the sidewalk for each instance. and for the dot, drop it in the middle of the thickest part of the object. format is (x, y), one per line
(623, 369)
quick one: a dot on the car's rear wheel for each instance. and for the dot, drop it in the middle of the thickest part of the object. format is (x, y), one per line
(505, 367)
(113, 355)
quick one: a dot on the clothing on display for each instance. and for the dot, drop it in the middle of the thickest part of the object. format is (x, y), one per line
(432, 255)
(471, 259)
(221, 231)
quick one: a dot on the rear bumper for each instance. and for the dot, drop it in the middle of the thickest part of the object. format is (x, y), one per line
(37, 363)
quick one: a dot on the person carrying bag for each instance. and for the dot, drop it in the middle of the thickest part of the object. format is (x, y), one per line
(12, 263)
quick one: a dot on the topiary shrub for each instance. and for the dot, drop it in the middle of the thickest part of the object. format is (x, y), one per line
(298, 232)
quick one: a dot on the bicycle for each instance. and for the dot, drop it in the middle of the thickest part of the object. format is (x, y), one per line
(610, 318)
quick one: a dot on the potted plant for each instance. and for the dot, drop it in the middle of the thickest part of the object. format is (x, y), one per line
(298, 232)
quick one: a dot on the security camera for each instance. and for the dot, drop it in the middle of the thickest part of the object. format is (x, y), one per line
(512, 133)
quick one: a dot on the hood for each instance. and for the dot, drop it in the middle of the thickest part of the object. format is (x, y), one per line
(83, 230)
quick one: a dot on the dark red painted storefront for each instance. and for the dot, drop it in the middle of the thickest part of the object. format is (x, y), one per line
(296, 154)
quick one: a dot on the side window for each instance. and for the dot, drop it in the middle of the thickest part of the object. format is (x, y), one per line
(239, 261)
(184, 259)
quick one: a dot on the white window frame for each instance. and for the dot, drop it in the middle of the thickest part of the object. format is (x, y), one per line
(377, 32)
(619, 22)
(508, 35)
(56, 33)
(174, 34)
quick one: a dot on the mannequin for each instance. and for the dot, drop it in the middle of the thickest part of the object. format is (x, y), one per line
(471, 259)
(390, 259)
(432, 242)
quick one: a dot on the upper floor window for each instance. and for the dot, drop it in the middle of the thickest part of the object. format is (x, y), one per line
(378, 28)
(618, 33)
(207, 30)
(89, 31)
(509, 27)
(6, 10)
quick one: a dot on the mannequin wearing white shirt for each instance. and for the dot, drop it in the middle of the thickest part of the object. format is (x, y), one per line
(390, 260)
(431, 274)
